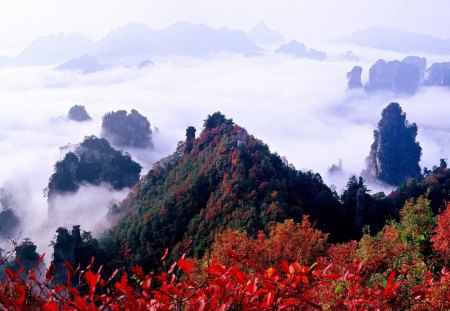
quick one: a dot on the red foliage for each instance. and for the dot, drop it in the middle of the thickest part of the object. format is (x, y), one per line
(441, 239)
(285, 286)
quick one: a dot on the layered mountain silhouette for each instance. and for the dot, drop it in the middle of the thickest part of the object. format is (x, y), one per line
(182, 38)
(133, 43)
(398, 40)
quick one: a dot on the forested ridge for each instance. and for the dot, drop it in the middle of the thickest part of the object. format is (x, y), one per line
(191, 196)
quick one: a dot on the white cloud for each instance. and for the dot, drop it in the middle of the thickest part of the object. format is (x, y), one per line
(299, 107)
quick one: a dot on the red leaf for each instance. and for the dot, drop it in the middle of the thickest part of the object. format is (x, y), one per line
(50, 306)
(113, 275)
(146, 284)
(32, 276)
(39, 261)
(391, 278)
(285, 267)
(200, 305)
(311, 303)
(21, 299)
(50, 272)
(92, 279)
(185, 265)
(251, 287)
(331, 276)
(68, 266)
(353, 290)
(166, 251)
(388, 288)
(268, 300)
(232, 254)
(11, 274)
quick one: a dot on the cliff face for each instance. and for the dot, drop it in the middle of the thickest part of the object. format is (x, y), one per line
(395, 154)
(439, 75)
(354, 78)
(396, 76)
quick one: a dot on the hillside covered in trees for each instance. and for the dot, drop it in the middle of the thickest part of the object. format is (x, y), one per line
(225, 178)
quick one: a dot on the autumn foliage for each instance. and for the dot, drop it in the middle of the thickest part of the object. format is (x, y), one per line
(441, 239)
(290, 268)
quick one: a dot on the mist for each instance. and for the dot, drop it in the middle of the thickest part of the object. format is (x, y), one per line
(300, 107)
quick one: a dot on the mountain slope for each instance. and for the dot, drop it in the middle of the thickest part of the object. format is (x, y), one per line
(54, 49)
(228, 179)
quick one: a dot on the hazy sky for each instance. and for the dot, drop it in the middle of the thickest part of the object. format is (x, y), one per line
(308, 20)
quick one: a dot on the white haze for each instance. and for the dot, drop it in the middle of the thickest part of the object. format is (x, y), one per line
(21, 21)
(300, 108)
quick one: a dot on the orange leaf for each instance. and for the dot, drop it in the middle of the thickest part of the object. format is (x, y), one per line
(270, 272)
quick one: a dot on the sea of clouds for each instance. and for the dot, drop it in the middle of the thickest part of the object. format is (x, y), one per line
(301, 108)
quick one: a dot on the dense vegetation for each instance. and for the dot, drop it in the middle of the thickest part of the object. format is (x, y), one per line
(127, 130)
(94, 162)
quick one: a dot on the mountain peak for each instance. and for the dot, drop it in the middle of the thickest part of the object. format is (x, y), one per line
(226, 178)
(261, 34)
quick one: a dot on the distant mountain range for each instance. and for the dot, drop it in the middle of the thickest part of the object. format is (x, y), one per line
(133, 43)
(398, 40)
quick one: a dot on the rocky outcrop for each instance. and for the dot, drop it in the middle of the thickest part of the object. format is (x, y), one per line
(439, 74)
(93, 162)
(419, 62)
(127, 130)
(78, 113)
(354, 78)
(395, 76)
(395, 154)
(297, 49)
